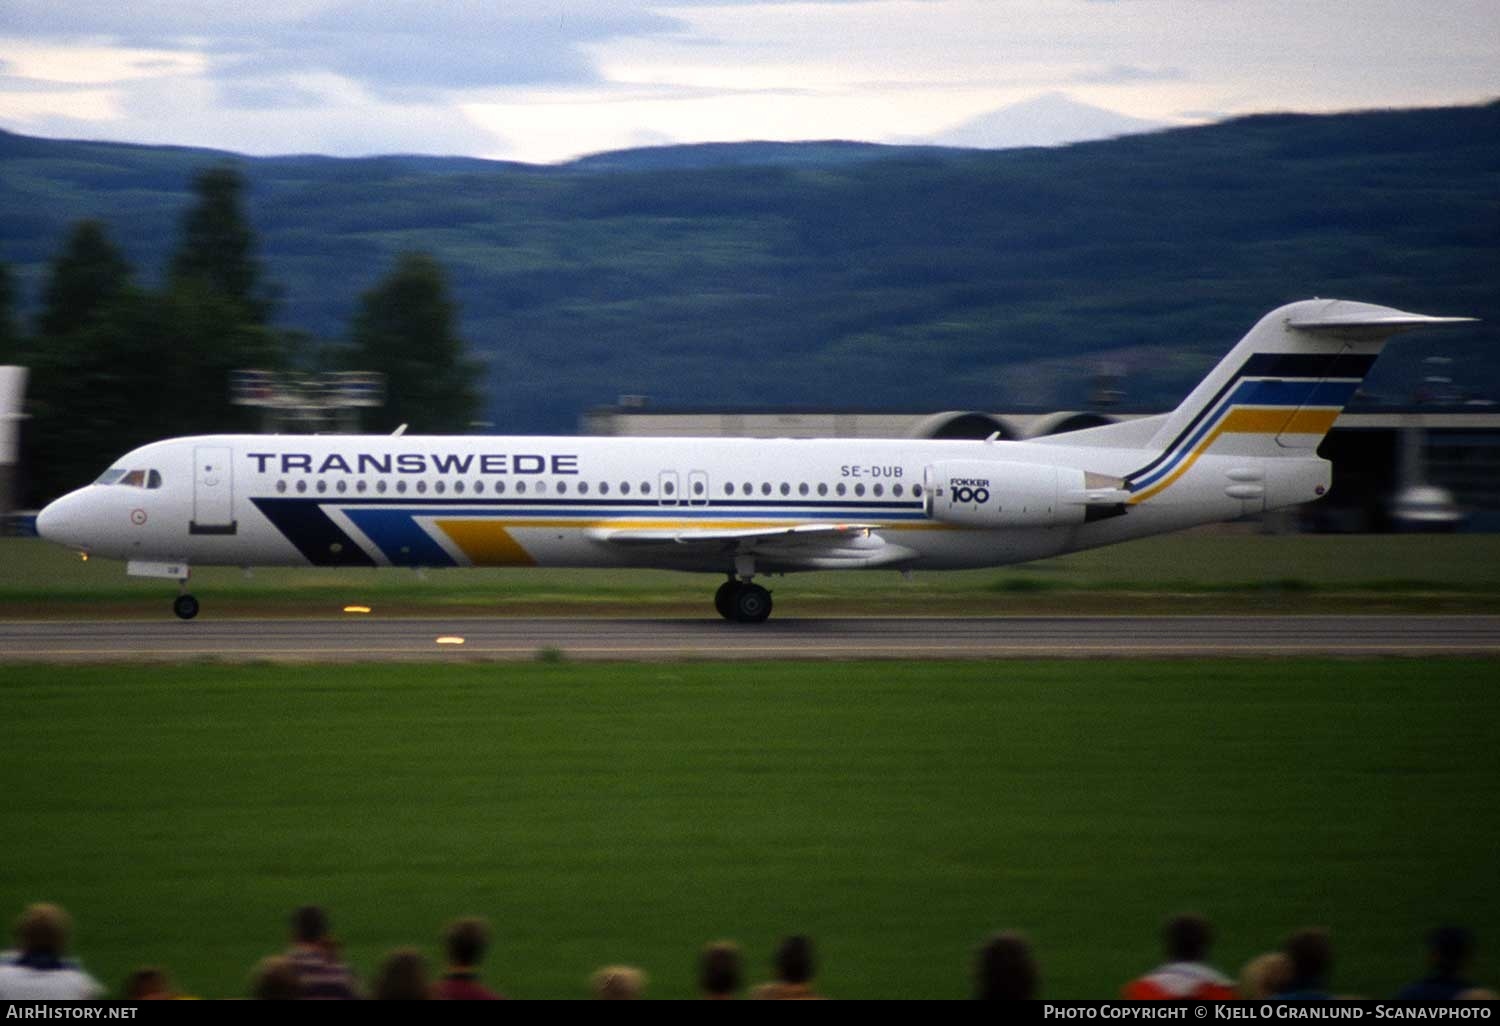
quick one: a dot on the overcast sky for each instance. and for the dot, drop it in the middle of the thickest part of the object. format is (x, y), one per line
(544, 80)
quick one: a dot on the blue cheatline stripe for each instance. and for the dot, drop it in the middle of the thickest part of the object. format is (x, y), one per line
(1290, 395)
(399, 536)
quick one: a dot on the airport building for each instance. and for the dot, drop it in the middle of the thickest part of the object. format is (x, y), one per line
(1427, 467)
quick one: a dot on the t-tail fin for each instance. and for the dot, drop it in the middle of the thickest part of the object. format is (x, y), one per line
(1279, 391)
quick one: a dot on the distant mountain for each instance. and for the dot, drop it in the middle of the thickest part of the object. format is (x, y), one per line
(846, 274)
(1052, 119)
(697, 156)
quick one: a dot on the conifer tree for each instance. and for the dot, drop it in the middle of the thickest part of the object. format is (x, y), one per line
(406, 329)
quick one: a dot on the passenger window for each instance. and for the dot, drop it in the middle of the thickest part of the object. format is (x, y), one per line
(840, 489)
(341, 487)
(916, 490)
(583, 487)
(645, 487)
(765, 488)
(322, 486)
(879, 490)
(822, 489)
(400, 487)
(478, 487)
(786, 489)
(499, 487)
(749, 488)
(458, 487)
(802, 488)
(380, 487)
(624, 488)
(859, 489)
(520, 487)
(562, 488)
(896, 490)
(281, 486)
(421, 488)
(604, 488)
(440, 487)
(301, 487)
(360, 487)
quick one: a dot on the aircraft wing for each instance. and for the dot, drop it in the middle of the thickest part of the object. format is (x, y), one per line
(808, 546)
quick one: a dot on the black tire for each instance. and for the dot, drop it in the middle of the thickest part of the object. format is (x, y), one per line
(724, 599)
(752, 604)
(185, 606)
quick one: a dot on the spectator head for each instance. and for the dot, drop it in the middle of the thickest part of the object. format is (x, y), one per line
(1311, 954)
(275, 979)
(466, 941)
(1449, 949)
(1265, 975)
(309, 924)
(719, 970)
(1005, 969)
(43, 930)
(1187, 938)
(402, 977)
(618, 983)
(794, 960)
(146, 984)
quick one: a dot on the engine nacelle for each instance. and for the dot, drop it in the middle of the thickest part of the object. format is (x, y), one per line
(977, 493)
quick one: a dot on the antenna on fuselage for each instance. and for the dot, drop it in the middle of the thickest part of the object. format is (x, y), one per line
(399, 431)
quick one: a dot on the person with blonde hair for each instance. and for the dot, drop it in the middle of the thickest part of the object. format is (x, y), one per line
(618, 983)
(1265, 975)
(37, 970)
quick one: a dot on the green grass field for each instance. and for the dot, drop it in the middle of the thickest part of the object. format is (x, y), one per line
(898, 812)
(1190, 572)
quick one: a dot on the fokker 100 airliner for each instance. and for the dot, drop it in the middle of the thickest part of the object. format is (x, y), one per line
(1244, 441)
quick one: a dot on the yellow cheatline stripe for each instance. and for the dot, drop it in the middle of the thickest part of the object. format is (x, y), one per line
(1250, 421)
(486, 543)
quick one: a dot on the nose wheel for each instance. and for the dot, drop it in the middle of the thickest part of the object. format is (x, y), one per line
(742, 602)
(185, 606)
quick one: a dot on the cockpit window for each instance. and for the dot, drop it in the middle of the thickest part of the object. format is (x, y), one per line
(130, 478)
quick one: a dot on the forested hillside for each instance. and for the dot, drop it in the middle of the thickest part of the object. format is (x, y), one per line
(843, 275)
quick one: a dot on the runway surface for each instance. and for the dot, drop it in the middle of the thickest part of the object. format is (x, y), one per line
(365, 639)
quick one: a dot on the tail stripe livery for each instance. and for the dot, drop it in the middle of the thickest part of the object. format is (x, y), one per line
(1305, 396)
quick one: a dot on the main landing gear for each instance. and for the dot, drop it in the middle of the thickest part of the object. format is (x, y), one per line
(185, 606)
(742, 602)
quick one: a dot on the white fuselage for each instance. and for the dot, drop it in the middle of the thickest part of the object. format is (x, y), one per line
(688, 504)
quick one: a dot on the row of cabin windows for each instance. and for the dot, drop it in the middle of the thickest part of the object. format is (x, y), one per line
(381, 487)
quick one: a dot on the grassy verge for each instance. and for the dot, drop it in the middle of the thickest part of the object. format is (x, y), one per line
(898, 812)
(1187, 573)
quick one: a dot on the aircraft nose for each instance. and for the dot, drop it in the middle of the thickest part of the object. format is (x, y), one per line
(56, 523)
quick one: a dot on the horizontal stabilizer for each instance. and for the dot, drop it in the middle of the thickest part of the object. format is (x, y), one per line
(1367, 322)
